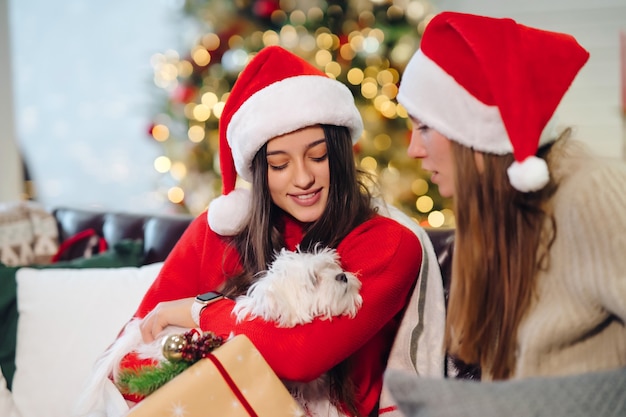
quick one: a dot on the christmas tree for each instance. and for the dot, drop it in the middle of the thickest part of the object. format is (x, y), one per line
(364, 44)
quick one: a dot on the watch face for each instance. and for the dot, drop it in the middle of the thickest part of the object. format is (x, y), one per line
(208, 296)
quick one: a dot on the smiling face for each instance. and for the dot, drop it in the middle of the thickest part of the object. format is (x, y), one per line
(435, 151)
(298, 175)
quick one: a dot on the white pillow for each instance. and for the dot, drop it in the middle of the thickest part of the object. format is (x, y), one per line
(67, 318)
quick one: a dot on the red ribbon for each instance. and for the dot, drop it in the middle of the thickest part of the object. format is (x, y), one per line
(233, 386)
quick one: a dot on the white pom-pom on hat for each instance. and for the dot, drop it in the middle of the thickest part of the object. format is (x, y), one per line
(529, 175)
(228, 214)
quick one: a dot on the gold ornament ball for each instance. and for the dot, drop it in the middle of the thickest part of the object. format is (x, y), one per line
(173, 347)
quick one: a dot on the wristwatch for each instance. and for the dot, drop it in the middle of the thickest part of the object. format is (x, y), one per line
(201, 301)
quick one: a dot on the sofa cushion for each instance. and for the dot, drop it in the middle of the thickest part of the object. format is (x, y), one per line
(67, 318)
(159, 232)
(28, 234)
(123, 254)
(598, 394)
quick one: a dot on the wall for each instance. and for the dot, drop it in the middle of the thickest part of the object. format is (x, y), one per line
(592, 105)
(83, 97)
(11, 179)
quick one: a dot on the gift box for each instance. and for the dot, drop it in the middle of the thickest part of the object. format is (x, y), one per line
(234, 381)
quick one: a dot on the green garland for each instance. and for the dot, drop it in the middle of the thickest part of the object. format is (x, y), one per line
(144, 380)
(147, 379)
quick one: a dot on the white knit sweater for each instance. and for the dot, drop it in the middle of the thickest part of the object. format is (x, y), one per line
(576, 322)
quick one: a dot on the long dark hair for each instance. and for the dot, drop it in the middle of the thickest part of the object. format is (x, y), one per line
(349, 204)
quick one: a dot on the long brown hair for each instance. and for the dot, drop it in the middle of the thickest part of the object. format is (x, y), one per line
(348, 206)
(502, 240)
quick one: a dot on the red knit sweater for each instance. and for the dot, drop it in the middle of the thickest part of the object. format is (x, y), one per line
(386, 257)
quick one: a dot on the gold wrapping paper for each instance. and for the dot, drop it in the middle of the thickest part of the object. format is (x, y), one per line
(202, 391)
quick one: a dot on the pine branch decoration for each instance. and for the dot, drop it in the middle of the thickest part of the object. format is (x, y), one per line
(147, 379)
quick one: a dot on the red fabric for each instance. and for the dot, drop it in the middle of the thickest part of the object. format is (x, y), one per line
(387, 410)
(76, 245)
(385, 255)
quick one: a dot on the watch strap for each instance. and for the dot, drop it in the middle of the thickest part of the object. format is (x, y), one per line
(201, 301)
(196, 310)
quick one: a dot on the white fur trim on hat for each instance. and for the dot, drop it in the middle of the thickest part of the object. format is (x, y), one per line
(286, 106)
(529, 175)
(437, 100)
(228, 214)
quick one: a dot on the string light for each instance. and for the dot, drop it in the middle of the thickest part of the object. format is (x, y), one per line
(363, 44)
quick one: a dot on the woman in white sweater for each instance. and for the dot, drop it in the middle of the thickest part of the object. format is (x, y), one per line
(539, 272)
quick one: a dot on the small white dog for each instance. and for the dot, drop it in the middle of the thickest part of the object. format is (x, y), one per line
(297, 288)
(300, 286)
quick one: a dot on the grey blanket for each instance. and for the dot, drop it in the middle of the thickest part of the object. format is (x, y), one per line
(599, 394)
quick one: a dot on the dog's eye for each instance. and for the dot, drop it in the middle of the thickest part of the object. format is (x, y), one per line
(341, 277)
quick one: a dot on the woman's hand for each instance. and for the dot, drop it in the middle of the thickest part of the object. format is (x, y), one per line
(167, 313)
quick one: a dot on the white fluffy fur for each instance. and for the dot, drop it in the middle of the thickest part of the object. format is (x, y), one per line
(97, 398)
(438, 100)
(529, 175)
(299, 287)
(228, 214)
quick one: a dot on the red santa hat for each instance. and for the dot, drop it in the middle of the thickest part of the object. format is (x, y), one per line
(276, 93)
(493, 85)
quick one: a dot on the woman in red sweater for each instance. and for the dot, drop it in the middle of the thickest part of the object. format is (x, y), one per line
(288, 129)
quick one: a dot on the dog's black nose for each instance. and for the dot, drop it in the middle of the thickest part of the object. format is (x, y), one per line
(341, 277)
